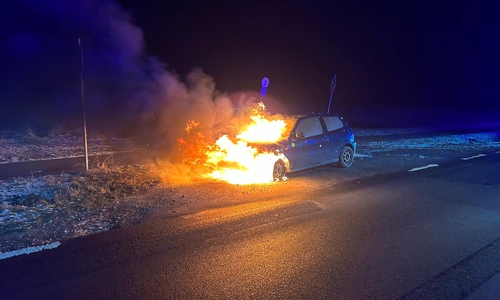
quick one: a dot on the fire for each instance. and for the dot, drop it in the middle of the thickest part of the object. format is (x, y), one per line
(262, 130)
(239, 163)
(234, 160)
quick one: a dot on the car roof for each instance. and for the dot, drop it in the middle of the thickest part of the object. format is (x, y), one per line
(313, 114)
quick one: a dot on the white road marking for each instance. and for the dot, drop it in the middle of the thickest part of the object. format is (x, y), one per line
(28, 250)
(472, 157)
(424, 167)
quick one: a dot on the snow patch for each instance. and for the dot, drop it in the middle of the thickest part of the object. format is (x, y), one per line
(447, 142)
(409, 130)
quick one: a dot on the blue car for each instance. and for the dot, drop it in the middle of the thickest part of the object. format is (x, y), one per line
(315, 140)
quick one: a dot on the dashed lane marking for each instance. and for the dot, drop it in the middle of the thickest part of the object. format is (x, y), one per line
(424, 167)
(472, 157)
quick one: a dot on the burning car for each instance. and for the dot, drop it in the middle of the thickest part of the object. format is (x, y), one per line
(267, 147)
(315, 139)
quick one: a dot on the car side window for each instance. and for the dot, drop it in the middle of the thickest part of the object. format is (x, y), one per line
(308, 127)
(333, 123)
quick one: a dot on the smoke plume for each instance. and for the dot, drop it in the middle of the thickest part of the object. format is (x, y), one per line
(127, 91)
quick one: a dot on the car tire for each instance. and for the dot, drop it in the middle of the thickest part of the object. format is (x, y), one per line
(279, 170)
(346, 157)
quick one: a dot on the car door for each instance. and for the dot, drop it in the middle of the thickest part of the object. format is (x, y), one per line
(336, 135)
(306, 144)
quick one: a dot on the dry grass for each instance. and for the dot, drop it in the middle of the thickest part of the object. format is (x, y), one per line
(30, 138)
(103, 185)
(48, 208)
(172, 174)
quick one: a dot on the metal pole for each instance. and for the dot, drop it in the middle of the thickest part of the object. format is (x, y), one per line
(83, 109)
(332, 88)
(330, 103)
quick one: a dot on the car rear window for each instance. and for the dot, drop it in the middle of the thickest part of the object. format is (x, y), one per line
(333, 123)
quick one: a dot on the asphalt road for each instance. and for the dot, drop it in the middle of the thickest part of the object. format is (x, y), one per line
(428, 234)
(72, 164)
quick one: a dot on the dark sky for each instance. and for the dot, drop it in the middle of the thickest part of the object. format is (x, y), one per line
(390, 57)
(392, 53)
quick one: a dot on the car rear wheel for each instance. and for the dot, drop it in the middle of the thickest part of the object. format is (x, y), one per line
(346, 157)
(279, 170)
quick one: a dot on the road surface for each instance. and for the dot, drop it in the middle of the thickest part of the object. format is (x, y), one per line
(428, 233)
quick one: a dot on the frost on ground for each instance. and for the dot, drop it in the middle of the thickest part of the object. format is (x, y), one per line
(463, 142)
(41, 210)
(20, 146)
(409, 130)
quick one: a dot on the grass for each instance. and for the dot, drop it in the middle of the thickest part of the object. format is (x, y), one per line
(101, 186)
(104, 183)
(35, 210)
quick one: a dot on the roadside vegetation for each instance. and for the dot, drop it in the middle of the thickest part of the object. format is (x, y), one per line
(40, 209)
(26, 145)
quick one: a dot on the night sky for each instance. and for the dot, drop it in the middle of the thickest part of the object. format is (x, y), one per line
(417, 54)
(397, 62)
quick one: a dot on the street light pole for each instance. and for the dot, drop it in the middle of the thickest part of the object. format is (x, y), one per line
(83, 109)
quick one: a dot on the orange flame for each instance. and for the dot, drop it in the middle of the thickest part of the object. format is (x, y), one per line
(262, 130)
(235, 161)
(238, 163)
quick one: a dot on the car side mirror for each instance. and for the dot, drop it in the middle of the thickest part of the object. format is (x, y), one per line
(299, 135)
